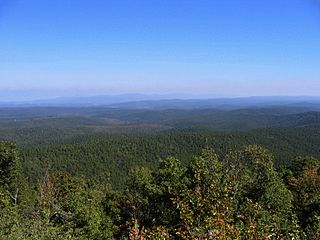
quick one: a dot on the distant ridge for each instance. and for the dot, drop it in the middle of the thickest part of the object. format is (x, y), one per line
(97, 100)
(222, 103)
(144, 101)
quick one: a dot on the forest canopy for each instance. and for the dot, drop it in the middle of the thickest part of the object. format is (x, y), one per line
(239, 196)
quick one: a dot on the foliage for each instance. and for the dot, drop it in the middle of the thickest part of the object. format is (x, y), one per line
(304, 181)
(208, 195)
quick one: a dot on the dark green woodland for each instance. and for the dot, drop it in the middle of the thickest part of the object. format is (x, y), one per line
(109, 173)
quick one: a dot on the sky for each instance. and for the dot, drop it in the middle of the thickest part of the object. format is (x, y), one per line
(51, 48)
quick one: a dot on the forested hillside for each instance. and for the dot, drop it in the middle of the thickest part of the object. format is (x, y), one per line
(239, 195)
(43, 125)
(115, 154)
(97, 173)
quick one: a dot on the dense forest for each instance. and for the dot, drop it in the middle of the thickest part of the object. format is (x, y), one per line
(239, 196)
(160, 174)
(118, 153)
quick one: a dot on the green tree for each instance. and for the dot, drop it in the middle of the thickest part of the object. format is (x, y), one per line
(9, 170)
(264, 202)
(305, 185)
(204, 206)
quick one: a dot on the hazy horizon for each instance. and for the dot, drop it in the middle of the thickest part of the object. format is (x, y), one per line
(41, 95)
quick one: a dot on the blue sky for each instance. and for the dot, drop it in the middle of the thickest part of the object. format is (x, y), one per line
(216, 48)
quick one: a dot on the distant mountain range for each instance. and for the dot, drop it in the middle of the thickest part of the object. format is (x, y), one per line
(142, 101)
(223, 103)
(99, 100)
